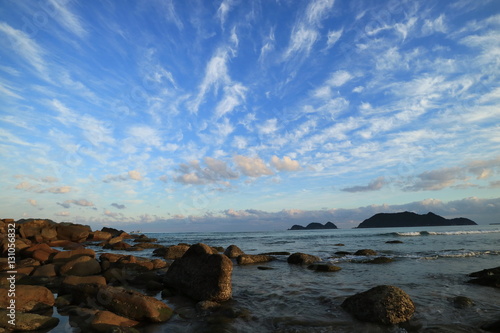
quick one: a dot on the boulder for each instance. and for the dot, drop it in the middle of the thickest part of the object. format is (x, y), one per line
(41, 252)
(245, 259)
(133, 305)
(144, 238)
(66, 256)
(324, 268)
(175, 251)
(365, 252)
(101, 235)
(462, 302)
(32, 227)
(302, 259)
(233, 251)
(48, 270)
(120, 246)
(379, 260)
(28, 321)
(487, 277)
(382, 304)
(28, 298)
(201, 275)
(106, 321)
(73, 232)
(73, 283)
(81, 266)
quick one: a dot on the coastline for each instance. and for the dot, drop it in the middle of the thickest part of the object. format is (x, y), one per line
(288, 290)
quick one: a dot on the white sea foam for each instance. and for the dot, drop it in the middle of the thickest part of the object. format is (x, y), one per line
(444, 233)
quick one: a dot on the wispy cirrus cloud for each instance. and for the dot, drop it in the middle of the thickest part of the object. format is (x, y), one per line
(66, 18)
(375, 185)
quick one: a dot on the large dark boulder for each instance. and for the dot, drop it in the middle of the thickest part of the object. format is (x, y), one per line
(487, 277)
(382, 304)
(28, 298)
(201, 275)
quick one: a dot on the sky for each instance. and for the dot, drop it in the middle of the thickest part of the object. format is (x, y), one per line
(240, 115)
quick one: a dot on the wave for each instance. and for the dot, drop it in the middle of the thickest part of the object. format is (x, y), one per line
(444, 233)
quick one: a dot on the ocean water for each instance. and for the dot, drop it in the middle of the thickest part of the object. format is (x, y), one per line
(431, 265)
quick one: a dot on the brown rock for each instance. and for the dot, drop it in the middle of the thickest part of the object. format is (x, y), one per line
(105, 321)
(246, 259)
(365, 252)
(40, 252)
(66, 256)
(28, 298)
(28, 321)
(382, 304)
(81, 266)
(201, 275)
(47, 270)
(73, 283)
(118, 246)
(101, 235)
(299, 258)
(31, 228)
(175, 251)
(324, 268)
(233, 251)
(133, 305)
(73, 232)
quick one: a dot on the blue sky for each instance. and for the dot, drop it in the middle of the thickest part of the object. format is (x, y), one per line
(248, 115)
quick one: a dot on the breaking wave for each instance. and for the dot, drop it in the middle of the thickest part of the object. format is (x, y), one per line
(445, 233)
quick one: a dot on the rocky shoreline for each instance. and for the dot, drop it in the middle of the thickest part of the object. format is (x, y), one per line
(116, 292)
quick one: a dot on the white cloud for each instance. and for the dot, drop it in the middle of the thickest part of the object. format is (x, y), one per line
(301, 41)
(33, 202)
(135, 175)
(234, 95)
(146, 135)
(437, 25)
(269, 126)
(287, 164)
(25, 47)
(131, 175)
(216, 171)
(252, 166)
(333, 37)
(62, 214)
(67, 19)
(223, 10)
(339, 78)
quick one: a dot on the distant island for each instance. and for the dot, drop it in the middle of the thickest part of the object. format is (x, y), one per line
(409, 219)
(314, 226)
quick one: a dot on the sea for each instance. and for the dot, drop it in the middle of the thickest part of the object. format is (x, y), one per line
(431, 265)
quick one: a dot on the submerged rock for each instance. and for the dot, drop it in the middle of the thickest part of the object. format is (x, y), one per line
(201, 275)
(487, 277)
(246, 259)
(365, 252)
(382, 304)
(324, 268)
(28, 321)
(462, 302)
(299, 258)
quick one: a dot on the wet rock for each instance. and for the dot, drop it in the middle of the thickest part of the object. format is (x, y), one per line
(119, 246)
(279, 253)
(394, 242)
(339, 244)
(451, 328)
(81, 266)
(174, 251)
(115, 240)
(66, 256)
(324, 268)
(365, 252)
(28, 321)
(232, 251)
(133, 304)
(77, 283)
(41, 252)
(462, 302)
(264, 268)
(246, 259)
(106, 321)
(207, 306)
(65, 244)
(299, 258)
(73, 232)
(382, 304)
(146, 245)
(101, 235)
(487, 277)
(145, 239)
(379, 260)
(201, 275)
(29, 298)
(492, 327)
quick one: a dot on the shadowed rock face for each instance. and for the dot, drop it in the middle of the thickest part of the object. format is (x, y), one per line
(382, 304)
(201, 275)
(408, 219)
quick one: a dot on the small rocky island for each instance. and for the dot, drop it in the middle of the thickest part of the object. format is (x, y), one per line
(409, 219)
(314, 226)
